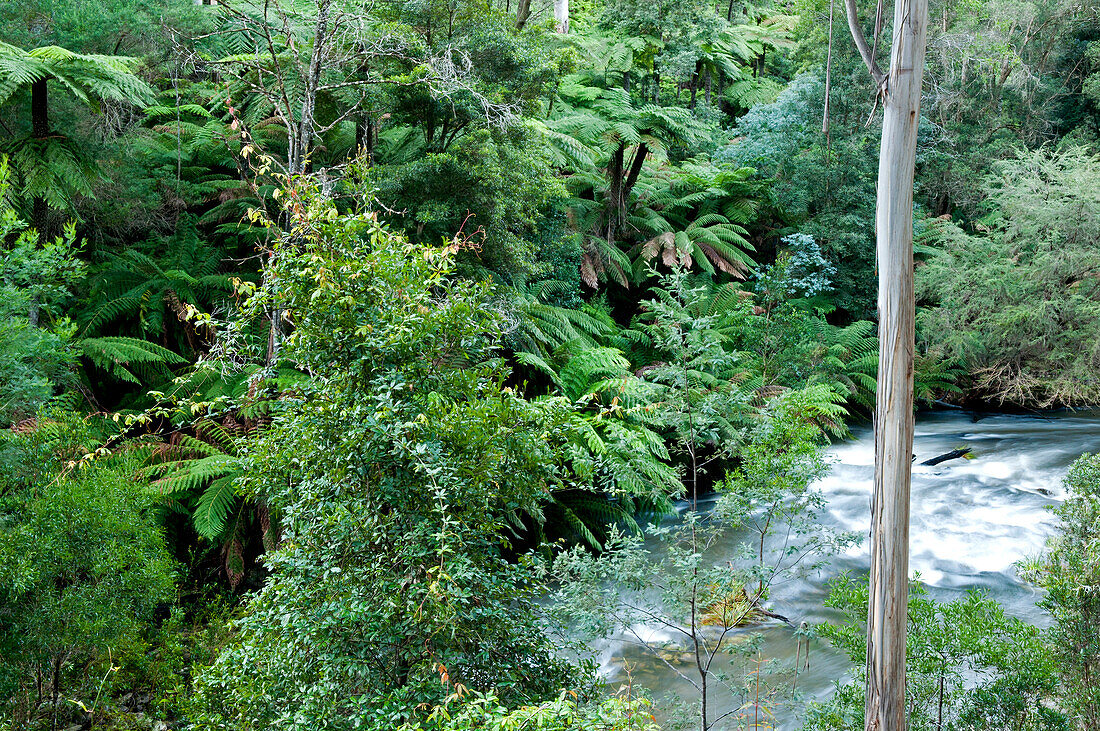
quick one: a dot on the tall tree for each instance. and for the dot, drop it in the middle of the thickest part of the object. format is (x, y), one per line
(392, 582)
(899, 91)
(295, 49)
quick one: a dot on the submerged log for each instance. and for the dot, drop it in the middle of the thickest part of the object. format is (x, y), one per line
(953, 454)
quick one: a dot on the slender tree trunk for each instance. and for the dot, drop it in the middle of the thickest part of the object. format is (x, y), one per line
(57, 663)
(939, 713)
(561, 15)
(40, 128)
(372, 134)
(635, 170)
(828, 76)
(887, 607)
(274, 336)
(303, 142)
(40, 111)
(616, 206)
(694, 88)
(523, 12)
(703, 711)
(364, 121)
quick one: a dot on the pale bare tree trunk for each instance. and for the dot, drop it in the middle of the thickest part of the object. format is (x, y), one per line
(301, 142)
(887, 609)
(561, 15)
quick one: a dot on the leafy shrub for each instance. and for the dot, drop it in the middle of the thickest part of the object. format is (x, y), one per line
(476, 712)
(1070, 572)
(82, 568)
(968, 666)
(396, 468)
(1019, 303)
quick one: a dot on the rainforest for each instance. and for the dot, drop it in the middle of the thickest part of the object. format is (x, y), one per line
(455, 365)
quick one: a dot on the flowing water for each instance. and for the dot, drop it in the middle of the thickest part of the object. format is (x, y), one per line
(972, 520)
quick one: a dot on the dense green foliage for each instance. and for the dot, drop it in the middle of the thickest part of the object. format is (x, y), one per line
(1018, 302)
(82, 565)
(394, 468)
(351, 321)
(969, 666)
(1070, 572)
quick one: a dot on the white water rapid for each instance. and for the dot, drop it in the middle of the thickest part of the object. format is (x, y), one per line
(972, 520)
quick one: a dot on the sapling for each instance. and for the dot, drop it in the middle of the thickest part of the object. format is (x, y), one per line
(699, 598)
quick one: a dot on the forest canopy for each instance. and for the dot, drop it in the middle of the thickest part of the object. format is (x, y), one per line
(363, 365)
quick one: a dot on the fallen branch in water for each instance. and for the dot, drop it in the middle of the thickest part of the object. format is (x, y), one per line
(953, 454)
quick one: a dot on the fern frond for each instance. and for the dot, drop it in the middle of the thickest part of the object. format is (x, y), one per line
(214, 508)
(117, 355)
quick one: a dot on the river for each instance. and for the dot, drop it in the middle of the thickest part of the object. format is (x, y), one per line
(972, 520)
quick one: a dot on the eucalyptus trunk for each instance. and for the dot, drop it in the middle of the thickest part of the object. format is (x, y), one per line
(561, 15)
(899, 89)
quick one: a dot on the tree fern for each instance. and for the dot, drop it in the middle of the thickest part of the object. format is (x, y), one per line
(540, 327)
(611, 437)
(215, 506)
(128, 359)
(51, 167)
(621, 137)
(152, 293)
(694, 216)
(88, 77)
(194, 148)
(579, 516)
(196, 474)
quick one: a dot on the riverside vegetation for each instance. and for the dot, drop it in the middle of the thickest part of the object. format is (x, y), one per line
(352, 355)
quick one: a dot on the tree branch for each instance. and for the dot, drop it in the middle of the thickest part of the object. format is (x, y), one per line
(861, 45)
